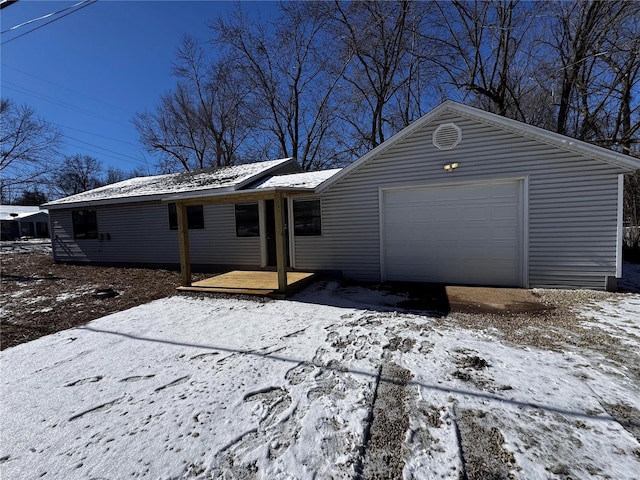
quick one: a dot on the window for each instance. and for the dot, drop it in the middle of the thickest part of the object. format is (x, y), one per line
(195, 217)
(247, 220)
(306, 218)
(85, 224)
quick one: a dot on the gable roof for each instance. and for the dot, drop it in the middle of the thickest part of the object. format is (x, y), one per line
(514, 126)
(140, 189)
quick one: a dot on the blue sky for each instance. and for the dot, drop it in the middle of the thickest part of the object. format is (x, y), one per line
(90, 72)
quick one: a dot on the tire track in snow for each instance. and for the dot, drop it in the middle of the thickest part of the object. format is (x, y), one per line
(388, 422)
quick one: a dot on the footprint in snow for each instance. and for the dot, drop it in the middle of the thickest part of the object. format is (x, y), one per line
(82, 381)
(177, 381)
(274, 400)
(204, 356)
(299, 373)
(136, 378)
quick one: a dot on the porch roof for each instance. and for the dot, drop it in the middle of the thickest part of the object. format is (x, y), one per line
(237, 197)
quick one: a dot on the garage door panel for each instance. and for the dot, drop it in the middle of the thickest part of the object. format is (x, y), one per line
(461, 234)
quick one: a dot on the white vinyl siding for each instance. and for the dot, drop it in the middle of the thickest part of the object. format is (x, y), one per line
(140, 234)
(570, 201)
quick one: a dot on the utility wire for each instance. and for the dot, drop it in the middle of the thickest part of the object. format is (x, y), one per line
(94, 134)
(41, 18)
(32, 93)
(64, 88)
(83, 4)
(122, 155)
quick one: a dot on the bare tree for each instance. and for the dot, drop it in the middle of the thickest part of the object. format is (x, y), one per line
(384, 80)
(78, 174)
(289, 67)
(174, 132)
(485, 49)
(31, 197)
(204, 121)
(619, 111)
(28, 145)
(581, 38)
(220, 96)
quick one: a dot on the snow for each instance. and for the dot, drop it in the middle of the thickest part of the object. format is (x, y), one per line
(298, 180)
(19, 212)
(202, 387)
(173, 183)
(26, 246)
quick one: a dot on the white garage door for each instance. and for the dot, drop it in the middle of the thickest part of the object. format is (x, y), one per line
(465, 234)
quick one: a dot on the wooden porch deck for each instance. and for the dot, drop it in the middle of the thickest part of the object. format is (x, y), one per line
(251, 283)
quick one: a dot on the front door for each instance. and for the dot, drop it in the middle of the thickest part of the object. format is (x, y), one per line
(271, 231)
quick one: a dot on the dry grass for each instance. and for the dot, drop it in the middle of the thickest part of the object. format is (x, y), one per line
(40, 297)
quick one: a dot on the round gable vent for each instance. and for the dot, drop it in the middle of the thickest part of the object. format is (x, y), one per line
(447, 136)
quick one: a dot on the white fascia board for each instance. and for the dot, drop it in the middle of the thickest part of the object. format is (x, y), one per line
(104, 201)
(136, 199)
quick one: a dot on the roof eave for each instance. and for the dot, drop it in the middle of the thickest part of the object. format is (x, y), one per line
(104, 201)
(239, 195)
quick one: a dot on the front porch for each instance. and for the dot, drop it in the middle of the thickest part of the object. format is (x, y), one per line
(251, 283)
(276, 284)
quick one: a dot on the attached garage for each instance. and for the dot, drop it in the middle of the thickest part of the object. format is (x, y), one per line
(464, 196)
(455, 234)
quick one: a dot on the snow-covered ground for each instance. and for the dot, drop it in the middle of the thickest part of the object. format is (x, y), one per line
(26, 246)
(327, 384)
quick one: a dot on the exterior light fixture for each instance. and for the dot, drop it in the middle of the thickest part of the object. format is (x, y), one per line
(450, 167)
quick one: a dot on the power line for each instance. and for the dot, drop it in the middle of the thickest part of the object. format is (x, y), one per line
(26, 91)
(94, 134)
(102, 148)
(40, 18)
(83, 4)
(64, 87)
(102, 155)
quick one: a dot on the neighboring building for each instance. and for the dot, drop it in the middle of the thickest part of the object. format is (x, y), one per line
(18, 221)
(460, 196)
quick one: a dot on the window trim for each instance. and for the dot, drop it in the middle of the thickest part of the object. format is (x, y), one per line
(296, 232)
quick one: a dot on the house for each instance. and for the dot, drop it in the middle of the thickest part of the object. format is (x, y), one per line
(17, 221)
(460, 196)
